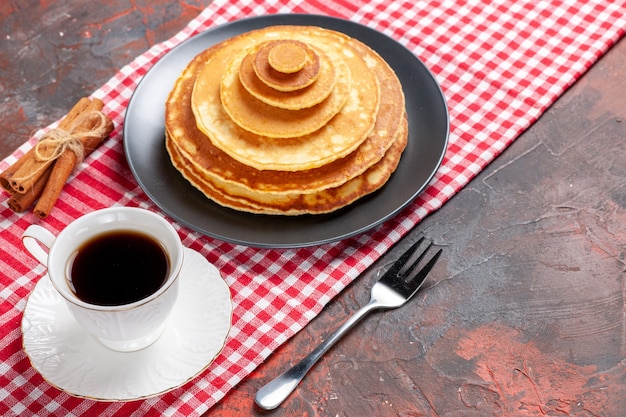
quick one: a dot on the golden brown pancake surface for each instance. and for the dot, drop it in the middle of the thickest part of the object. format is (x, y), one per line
(283, 115)
(287, 65)
(291, 187)
(340, 136)
(306, 96)
(324, 201)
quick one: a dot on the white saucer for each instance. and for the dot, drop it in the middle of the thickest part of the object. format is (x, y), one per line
(78, 364)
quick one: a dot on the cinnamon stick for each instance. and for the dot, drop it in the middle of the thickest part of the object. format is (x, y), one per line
(27, 159)
(40, 174)
(32, 167)
(66, 163)
(21, 202)
(60, 172)
(79, 108)
(7, 174)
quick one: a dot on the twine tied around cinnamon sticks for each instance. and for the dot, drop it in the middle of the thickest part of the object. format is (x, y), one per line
(40, 174)
(55, 142)
(60, 139)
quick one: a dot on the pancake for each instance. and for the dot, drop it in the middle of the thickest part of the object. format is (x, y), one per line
(295, 98)
(287, 65)
(351, 155)
(283, 115)
(216, 164)
(321, 202)
(341, 135)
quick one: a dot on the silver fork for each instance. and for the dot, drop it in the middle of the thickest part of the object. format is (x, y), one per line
(392, 290)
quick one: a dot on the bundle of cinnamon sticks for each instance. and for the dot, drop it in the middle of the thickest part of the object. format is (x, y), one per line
(40, 174)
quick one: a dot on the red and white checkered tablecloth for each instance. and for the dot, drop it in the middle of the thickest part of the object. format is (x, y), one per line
(500, 64)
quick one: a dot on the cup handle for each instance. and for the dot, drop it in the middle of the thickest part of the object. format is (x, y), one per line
(34, 239)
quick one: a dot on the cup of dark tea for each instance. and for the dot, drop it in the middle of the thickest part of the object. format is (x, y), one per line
(117, 269)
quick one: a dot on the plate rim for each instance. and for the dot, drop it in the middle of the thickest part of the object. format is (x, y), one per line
(224, 31)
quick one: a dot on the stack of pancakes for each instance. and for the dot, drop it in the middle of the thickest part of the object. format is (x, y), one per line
(286, 120)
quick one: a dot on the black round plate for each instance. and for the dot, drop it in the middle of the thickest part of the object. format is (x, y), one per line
(150, 164)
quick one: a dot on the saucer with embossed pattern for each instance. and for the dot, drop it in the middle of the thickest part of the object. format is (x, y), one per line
(77, 363)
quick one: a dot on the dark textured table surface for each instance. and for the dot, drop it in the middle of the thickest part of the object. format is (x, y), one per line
(524, 315)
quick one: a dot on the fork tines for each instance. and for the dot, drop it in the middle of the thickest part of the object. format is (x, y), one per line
(404, 276)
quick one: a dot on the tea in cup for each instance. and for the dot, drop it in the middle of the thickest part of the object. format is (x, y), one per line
(117, 270)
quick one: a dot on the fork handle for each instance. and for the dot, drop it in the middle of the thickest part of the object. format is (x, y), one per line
(276, 391)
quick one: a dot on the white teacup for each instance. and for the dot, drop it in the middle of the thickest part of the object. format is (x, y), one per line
(127, 327)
